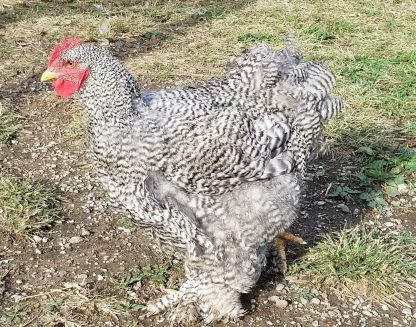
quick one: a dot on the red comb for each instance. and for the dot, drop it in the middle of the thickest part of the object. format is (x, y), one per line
(66, 43)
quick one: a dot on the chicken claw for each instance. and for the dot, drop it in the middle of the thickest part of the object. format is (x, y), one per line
(280, 244)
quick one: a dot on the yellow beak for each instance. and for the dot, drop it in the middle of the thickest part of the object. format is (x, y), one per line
(48, 75)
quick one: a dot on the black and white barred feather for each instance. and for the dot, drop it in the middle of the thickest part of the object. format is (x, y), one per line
(215, 169)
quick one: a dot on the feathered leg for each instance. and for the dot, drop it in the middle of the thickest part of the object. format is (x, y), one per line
(209, 302)
(169, 300)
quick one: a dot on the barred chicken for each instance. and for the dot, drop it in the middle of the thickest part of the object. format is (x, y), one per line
(215, 170)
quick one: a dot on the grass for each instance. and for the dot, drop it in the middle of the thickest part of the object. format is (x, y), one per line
(14, 316)
(302, 293)
(126, 223)
(26, 207)
(72, 305)
(383, 176)
(10, 123)
(363, 262)
(83, 305)
(156, 274)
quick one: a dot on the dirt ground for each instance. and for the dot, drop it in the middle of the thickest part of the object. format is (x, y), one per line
(94, 243)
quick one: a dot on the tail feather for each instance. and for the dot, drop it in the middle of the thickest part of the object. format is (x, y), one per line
(330, 107)
(284, 73)
(312, 78)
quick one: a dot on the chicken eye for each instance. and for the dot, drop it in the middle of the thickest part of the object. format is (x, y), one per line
(69, 64)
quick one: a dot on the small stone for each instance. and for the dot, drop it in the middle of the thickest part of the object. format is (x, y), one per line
(280, 287)
(85, 232)
(331, 313)
(37, 251)
(407, 311)
(402, 188)
(18, 297)
(278, 302)
(132, 295)
(100, 277)
(343, 208)
(37, 239)
(389, 224)
(367, 313)
(104, 26)
(303, 301)
(320, 203)
(314, 291)
(291, 278)
(385, 307)
(366, 307)
(356, 212)
(315, 301)
(75, 239)
(315, 323)
(82, 277)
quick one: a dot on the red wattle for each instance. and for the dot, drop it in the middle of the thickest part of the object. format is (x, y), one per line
(66, 88)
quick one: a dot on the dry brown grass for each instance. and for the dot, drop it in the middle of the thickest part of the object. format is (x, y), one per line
(73, 305)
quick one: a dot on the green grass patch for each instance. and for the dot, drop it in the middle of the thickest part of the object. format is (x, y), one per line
(386, 83)
(302, 293)
(256, 37)
(157, 35)
(206, 14)
(157, 274)
(10, 124)
(128, 306)
(14, 316)
(26, 207)
(332, 30)
(380, 179)
(384, 175)
(363, 262)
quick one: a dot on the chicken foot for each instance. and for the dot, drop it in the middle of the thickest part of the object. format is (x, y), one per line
(281, 247)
